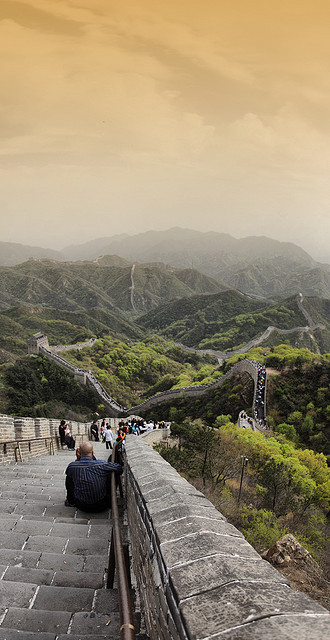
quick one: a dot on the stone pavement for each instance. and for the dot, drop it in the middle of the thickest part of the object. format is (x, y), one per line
(53, 558)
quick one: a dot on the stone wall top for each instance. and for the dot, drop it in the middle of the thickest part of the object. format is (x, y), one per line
(206, 578)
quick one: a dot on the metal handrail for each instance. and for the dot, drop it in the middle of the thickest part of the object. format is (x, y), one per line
(16, 441)
(117, 559)
(47, 439)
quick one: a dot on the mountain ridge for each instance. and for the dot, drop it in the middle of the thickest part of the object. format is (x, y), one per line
(256, 265)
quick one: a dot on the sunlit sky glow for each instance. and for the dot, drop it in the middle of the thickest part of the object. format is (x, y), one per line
(127, 116)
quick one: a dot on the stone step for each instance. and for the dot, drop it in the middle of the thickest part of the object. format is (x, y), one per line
(60, 623)
(14, 634)
(73, 545)
(53, 559)
(58, 510)
(55, 562)
(87, 580)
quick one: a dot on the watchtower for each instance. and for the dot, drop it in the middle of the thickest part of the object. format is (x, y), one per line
(36, 341)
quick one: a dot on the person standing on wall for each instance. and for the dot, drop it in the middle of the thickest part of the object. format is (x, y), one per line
(95, 431)
(108, 437)
(61, 431)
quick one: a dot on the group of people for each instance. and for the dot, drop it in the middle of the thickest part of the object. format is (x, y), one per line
(259, 406)
(136, 426)
(88, 479)
(105, 433)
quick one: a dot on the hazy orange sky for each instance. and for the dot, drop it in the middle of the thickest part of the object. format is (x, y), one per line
(122, 116)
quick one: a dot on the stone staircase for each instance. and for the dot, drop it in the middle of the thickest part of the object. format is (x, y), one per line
(53, 558)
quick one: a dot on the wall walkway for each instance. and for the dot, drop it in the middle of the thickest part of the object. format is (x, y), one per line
(197, 576)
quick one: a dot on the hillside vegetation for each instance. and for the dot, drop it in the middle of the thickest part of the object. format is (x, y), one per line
(298, 397)
(285, 488)
(17, 324)
(131, 372)
(105, 284)
(227, 321)
(34, 386)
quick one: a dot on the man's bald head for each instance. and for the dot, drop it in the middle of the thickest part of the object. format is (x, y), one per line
(86, 449)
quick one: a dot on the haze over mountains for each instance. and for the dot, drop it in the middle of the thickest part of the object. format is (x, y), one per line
(204, 290)
(258, 266)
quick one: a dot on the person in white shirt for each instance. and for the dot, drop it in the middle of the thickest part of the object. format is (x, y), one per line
(108, 437)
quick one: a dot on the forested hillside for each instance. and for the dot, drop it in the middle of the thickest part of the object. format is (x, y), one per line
(227, 321)
(37, 387)
(110, 284)
(17, 324)
(285, 488)
(131, 372)
(255, 265)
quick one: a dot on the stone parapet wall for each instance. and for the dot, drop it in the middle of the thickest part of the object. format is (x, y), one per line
(30, 437)
(197, 575)
(53, 426)
(25, 429)
(155, 435)
(42, 427)
(7, 428)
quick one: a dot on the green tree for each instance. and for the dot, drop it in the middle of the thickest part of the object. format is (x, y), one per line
(261, 528)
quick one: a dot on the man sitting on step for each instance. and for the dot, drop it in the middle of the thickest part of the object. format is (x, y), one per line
(88, 480)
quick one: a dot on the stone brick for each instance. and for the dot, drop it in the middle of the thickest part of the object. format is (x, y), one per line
(20, 558)
(237, 604)
(87, 580)
(96, 563)
(12, 540)
(106, 601)
(7, 428)
(66, 530)
(194, 524)
(46, 543)
(14, 634)
(94, 624)
(215, 571)
(24, 428)
(42, 427)
(281, 627)
(61, 562)
(7, 524)
(86, 546)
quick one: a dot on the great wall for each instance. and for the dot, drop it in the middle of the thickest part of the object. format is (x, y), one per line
(195, 577)
(38, 344)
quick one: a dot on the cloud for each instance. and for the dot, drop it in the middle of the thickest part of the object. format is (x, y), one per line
(153, 114)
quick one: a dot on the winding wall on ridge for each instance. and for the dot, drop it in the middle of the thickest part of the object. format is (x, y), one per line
(116, 410)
